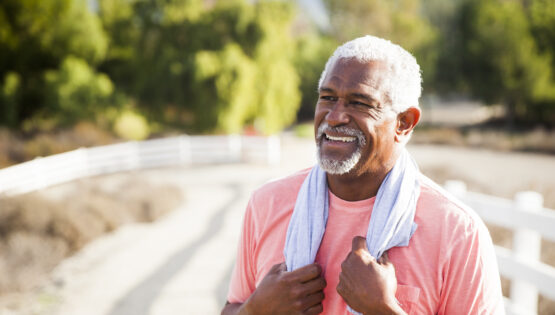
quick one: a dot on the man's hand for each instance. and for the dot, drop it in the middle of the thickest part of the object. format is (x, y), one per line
(282, 292)
(368, 285)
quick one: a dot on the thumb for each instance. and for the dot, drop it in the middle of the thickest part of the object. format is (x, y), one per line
(359, 243)
(278, 268)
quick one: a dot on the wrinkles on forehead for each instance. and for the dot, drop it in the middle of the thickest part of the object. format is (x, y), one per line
(369, 79)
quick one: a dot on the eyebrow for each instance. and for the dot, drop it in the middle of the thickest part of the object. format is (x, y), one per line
(326, 89)
(365, 97)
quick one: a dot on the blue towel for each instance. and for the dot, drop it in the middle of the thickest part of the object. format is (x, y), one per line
(391, 223)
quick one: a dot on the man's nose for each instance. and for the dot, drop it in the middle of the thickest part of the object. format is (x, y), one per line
(338, 114)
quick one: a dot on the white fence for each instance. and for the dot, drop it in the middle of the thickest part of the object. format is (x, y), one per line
(530, 222)
(183, 150)
(525, 215)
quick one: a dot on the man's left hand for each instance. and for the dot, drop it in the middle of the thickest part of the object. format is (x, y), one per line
(368, 285)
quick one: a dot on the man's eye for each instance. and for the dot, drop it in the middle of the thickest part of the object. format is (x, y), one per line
(328, 98)
(360, 104)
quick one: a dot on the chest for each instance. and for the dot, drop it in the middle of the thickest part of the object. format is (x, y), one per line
(419, 283)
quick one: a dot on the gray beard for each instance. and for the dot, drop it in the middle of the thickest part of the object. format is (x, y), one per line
(339, 167)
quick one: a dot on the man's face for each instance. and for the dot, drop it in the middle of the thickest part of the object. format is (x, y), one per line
(354, 123)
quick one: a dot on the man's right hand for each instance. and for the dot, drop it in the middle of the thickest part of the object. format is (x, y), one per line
(296, 292)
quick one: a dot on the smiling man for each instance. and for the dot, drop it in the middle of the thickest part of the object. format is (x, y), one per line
(363, 231)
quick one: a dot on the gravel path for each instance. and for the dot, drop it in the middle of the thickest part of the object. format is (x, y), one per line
(181, 263)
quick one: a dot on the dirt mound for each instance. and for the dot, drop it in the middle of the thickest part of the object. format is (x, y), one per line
(37, 232)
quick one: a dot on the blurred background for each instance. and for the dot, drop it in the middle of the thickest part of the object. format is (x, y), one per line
(85, 73)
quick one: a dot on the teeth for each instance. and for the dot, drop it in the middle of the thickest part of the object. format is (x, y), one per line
(344, 139)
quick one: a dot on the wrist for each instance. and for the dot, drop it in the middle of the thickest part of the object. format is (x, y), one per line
(247, 307)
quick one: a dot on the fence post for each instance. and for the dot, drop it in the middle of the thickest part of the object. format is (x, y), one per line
(526, 246)
(235, 144)
(456, 187)
(185, 150)
(273, 150)
(135, 160)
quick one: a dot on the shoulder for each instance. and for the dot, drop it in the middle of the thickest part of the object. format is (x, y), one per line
(439, 210)
(274, 201)
(284, 188)
(439, 203)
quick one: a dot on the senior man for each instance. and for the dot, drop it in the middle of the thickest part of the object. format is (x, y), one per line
(363, 231)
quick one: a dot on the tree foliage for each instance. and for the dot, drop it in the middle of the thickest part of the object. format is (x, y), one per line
(202, 65)
(502, 61)
(214, 68)
(35, 38)
(221, 65)
(75, 92)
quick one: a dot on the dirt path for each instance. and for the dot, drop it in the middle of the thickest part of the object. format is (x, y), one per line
(181, 264)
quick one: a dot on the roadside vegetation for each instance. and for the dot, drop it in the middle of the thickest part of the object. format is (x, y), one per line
(137, 68)
(39, 229)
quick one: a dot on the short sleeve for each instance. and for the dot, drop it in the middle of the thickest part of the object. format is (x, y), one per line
(243, 276)
(471, 283)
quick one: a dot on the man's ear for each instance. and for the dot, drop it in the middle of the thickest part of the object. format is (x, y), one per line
(406, 121)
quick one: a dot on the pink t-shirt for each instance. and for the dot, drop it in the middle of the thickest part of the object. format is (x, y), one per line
(449, 266)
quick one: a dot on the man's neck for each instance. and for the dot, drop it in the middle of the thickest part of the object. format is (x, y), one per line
(355, 187)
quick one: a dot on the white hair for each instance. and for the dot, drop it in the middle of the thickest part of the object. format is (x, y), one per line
(404, 85)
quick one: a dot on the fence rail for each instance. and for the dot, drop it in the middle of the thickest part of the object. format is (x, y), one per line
(525, 215)
(182, 150)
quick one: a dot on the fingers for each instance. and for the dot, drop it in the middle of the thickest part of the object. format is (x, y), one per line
(305, 273)
(316, 309)
(359, 242)
(384, 260)
(315, 285)
(311, 300)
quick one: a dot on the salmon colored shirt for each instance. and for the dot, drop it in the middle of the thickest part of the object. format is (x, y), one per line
(449, 266)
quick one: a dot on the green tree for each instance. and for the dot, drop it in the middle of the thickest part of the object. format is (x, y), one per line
(501, 59)
(36, 37)
(75, 92)
(206, 67)
(542, 23)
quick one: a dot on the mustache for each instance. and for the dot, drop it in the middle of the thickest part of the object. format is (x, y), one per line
(324, 127)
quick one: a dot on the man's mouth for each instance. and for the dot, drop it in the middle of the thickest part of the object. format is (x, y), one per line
(340, 138)
(340, 135)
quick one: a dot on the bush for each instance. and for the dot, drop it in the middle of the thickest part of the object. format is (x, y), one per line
(76, 92)
(132, 126)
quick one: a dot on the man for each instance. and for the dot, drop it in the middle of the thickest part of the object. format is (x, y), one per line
(371, 235)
